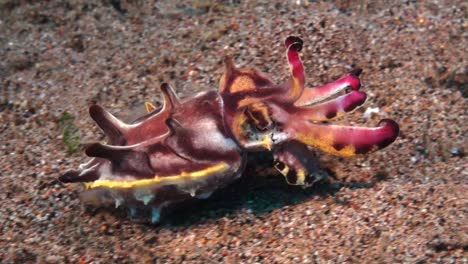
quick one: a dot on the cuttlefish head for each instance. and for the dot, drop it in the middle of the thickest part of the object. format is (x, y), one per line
(262, 115)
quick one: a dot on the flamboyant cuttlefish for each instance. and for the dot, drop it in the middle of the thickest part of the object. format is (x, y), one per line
(190, 148)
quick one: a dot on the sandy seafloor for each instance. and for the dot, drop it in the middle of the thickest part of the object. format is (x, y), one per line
(404, 204)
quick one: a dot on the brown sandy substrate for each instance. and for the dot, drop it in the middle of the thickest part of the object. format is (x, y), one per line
(407, 203)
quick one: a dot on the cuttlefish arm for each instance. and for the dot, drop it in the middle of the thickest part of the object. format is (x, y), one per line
(169, 97)
(317, 94)
(332, 108)
(296, 82)
(346, 141)
(298, 164)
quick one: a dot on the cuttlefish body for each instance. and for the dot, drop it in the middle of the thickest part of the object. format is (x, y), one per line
(190, 148)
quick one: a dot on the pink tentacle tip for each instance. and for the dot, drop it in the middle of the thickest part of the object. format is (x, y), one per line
(353, 100)
(356, 72)
(352, 81)
(392, 126)
(390, 131)
(292, 40)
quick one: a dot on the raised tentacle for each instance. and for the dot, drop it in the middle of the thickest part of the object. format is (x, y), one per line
(170, 95)
(296, 82)
(228, 74)
(344, 141)
(320, 93)
(114, 128)
(153, 125)
(149, 126)
(169, 102)
(332, 108)
(236, 80)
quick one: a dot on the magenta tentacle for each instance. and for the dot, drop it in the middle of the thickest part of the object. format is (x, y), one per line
(344, 141)
(296, 83)
(320, 93)
(333, 108)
